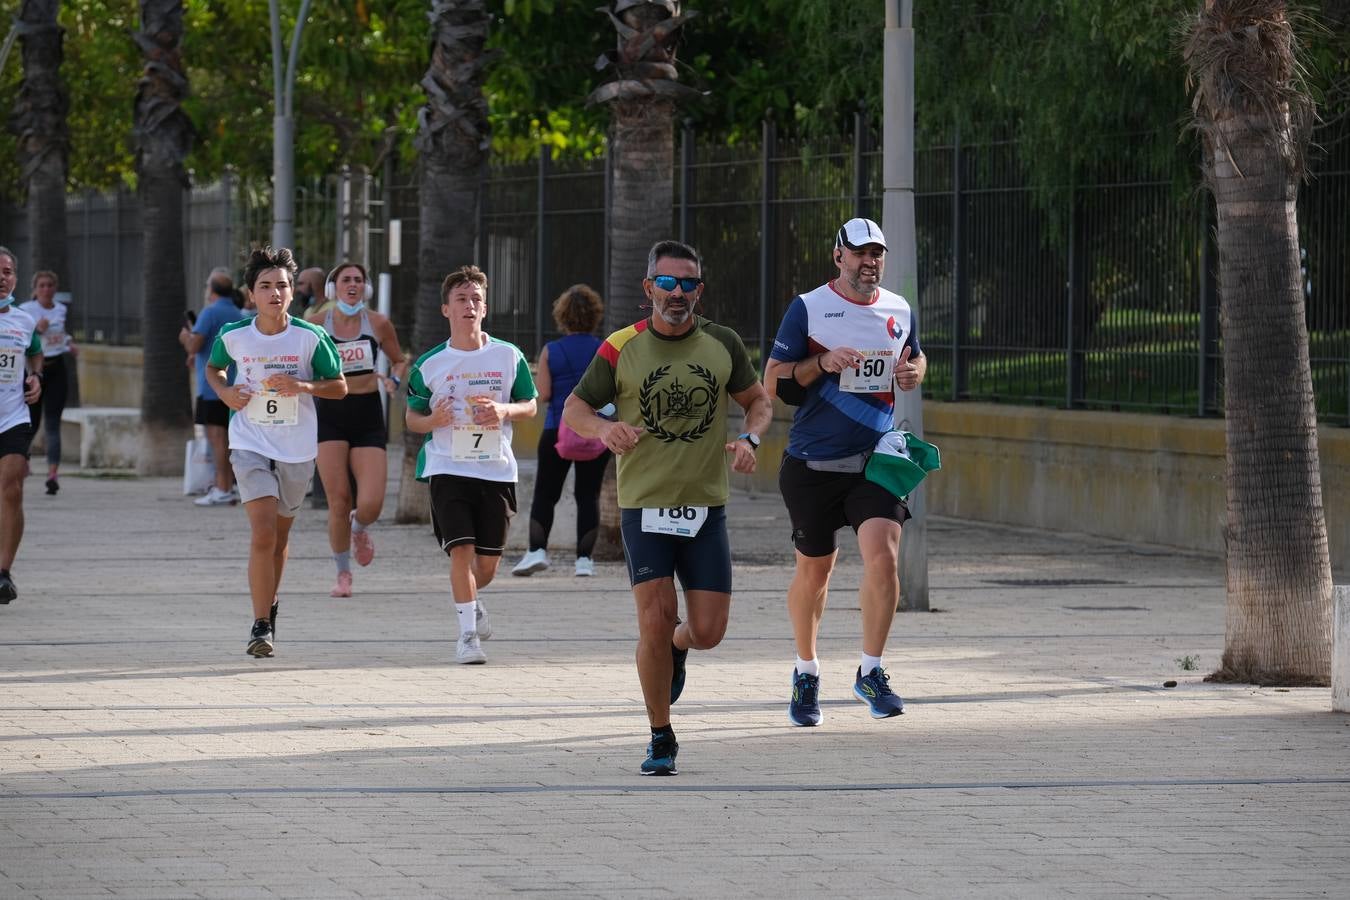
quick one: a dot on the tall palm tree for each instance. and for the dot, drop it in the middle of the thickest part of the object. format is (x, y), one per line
(1254, 119)
(163, 136)
(39, 120)
(452, 143)
(642, 102)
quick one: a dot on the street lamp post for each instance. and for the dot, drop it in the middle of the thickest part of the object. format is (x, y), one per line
(283, 128)
(902, 269)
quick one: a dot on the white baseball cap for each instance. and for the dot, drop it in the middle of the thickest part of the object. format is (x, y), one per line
(858, 233)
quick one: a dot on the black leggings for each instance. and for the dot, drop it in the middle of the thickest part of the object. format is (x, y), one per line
(548, 485)
(53, 403)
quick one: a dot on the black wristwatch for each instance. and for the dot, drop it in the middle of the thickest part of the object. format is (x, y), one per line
(751, 439)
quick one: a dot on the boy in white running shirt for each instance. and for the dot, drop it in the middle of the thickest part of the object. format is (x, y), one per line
(463, 395)
(283, 363)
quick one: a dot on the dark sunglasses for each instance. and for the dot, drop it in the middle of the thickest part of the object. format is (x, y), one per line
(668, 282)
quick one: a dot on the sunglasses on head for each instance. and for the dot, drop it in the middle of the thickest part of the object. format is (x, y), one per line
(668, 282)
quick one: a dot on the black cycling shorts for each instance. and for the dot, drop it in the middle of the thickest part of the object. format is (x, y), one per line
(701, 562)
(357, 419)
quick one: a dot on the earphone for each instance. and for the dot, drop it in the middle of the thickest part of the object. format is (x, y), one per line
(330, 287)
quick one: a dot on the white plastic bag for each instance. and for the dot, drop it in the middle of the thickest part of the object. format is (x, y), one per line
(199, 470)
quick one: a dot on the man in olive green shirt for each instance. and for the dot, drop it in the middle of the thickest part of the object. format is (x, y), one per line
(669, 378)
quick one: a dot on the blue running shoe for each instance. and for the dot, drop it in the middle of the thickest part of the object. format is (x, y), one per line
(874, 689)
(660, 759)
(804, 708)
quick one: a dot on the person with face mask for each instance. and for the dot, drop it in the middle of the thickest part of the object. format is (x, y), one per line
(352, 433)
(20, 386)
(670, 378)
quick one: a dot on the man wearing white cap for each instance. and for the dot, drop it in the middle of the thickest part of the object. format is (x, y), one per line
(840, 352)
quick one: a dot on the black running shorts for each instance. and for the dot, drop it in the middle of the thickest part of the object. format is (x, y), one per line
(212, 412)
(472, 511)
(16, 440)
(821, 503)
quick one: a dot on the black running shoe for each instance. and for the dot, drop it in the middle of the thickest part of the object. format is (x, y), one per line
(260, 641)
(52, 486)
(8, 591)
(661, 757)
(272, 616)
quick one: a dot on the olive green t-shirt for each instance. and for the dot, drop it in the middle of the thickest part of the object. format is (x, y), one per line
(675, 389)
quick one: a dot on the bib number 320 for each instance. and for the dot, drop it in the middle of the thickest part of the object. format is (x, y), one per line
(684, 521)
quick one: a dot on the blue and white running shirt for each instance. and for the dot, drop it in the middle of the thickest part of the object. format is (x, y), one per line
(831, 423)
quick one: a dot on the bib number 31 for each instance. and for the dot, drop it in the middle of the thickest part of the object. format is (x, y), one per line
(684, 521)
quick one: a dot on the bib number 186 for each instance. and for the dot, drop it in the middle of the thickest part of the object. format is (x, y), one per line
(684, 521)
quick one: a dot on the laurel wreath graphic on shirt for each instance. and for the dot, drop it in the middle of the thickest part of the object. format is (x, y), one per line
(647, 394)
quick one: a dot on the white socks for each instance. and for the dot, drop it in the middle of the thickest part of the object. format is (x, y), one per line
(467, 614)
(869, 663)
(808, 667)
(357, 527)
(343, 560)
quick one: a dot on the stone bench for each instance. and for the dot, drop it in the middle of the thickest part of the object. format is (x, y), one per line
(108, 437)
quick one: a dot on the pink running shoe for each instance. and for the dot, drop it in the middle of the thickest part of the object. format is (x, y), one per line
(363, 545)
(343, 588)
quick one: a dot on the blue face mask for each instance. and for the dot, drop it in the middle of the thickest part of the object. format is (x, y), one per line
(7, 301)
(351, 309)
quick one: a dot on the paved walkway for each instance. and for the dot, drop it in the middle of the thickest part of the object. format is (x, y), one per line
(144, 755)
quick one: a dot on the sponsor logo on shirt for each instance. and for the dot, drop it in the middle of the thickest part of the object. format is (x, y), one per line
(835, 315)
(893, 328)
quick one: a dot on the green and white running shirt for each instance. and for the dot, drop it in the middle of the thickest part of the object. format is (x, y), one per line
(497, 370)
(18, 340)
(675, 389)
(284, 429)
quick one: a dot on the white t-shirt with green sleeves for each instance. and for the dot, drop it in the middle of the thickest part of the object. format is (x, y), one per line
(18, 341)
(301, 350)
(497, 370)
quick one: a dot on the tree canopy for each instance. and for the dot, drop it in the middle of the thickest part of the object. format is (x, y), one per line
(1080, 82)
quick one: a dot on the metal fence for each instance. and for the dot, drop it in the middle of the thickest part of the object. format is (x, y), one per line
(1102, 297)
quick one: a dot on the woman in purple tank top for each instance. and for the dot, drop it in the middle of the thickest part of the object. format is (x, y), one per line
(561, 363)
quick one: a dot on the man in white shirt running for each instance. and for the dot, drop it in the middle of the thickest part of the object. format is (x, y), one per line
(283, 363)
(20, 385)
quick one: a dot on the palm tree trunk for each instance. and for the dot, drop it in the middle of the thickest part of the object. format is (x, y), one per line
(1254, 118)
(642, 144)
(453, 142)
(39, 120)
(1279, 571)
(163, 135)
(642, 154)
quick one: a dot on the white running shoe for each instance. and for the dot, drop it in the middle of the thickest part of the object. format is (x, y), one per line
(468, 651)
(216, 497)
(585, 568)
(480, 620)
(533, 561)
